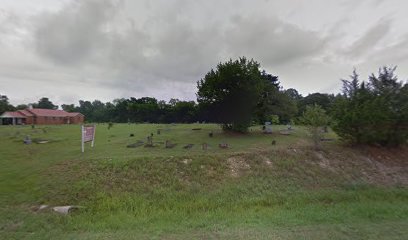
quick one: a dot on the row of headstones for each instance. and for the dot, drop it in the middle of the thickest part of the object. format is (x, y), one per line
(211, 134)
(169, 144)
(27, 140)
(267, 128)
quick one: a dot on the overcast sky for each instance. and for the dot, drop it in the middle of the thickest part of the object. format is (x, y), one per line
(105, 49)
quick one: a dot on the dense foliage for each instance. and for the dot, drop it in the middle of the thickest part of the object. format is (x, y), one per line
(322, 99)
(274, 102)
(315, 118)
(5, 105)
(373, 112)
(44, 103)
(230, 93)
(237, 94)
(137, 110)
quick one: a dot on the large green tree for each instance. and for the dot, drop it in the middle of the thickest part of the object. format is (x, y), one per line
(373, 112)
(4, 104)
(68, 107)
(274, 101)
(145, 109)
(293, 94)
(314, 118)
(230, 93)
(45, 103)
(322, 99)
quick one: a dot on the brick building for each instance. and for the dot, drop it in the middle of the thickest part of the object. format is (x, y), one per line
(41, 116)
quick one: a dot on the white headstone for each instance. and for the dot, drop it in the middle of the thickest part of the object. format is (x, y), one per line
(268, 127)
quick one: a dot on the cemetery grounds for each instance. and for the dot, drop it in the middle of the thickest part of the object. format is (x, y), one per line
(251, 190)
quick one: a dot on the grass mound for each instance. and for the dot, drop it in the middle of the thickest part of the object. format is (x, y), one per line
(251, 190)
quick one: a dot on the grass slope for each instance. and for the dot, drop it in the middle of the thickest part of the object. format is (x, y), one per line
(253, 190)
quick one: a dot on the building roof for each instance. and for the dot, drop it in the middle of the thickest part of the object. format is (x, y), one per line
(12, 115)
(25, 113)
(39, 112)
(50, 113)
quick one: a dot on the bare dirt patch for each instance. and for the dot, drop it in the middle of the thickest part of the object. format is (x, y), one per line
(373, 165)
(266, 160)
(324, 162)
(187, 161)
(237, 165)
(390, 166)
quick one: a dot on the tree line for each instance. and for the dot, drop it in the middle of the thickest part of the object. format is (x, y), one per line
(284, 108)
(238, 94)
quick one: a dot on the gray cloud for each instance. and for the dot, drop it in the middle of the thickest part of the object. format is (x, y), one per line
(178, 50)
(370, 39)
(119, 48)
(393, 54)
(75, 32)
(271, 40)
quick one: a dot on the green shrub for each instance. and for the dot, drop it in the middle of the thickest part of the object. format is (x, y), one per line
(373, 112)
(274, 119)
(315, 118)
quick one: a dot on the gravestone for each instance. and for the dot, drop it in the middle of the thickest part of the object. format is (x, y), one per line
(188, 146)
(211, 134)
(268, 128)
(168, 144)
(149, 142)
(285, 132)
(41, 141)
(135, 145)
(223, 145)
(27, 140)
(204, 146)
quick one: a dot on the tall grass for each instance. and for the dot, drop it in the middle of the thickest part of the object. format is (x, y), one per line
(252, 188)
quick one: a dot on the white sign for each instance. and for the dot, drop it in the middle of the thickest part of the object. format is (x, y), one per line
(88, 135)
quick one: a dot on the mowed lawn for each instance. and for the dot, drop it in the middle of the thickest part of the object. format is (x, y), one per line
(252, 190)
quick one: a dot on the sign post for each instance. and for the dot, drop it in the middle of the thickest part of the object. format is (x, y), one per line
(88, 135)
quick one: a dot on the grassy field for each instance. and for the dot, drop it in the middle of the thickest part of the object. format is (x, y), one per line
(252, 190)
